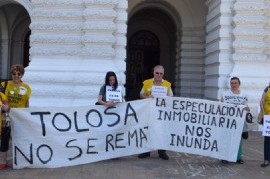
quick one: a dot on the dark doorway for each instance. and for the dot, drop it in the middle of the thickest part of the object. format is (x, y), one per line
(26, 49)
(143, 54)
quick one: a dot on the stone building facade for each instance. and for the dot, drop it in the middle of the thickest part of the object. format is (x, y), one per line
(67, 46)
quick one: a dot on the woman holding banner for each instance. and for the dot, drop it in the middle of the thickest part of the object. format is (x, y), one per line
(110, 93)
(4, 131)
(235, 96)
(156, 87)
(265, 109)
(18, 94)
(4, 107)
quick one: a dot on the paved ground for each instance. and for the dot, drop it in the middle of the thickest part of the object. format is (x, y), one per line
(180, 165)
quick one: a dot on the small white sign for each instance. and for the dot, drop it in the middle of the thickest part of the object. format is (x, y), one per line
(266, 125)
(159, 91)
(114, 95)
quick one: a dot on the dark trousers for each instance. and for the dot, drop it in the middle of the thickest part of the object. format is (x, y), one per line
(160, 152)
(267, 148)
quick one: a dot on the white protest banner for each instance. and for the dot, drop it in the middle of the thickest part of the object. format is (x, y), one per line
(57, 137)
(266, 125)
(159, 91)
(114, 95)
(197, 126)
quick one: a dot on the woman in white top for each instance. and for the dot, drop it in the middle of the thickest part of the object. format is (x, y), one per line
(235, 96)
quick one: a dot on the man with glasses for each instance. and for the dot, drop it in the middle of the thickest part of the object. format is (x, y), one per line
(147, 92)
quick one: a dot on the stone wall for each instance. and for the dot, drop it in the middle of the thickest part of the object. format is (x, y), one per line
(73, 44)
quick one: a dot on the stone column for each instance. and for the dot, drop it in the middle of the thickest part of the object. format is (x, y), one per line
(4, 57)
(55, 52)
(104, 41)
(121, 39)
(249, 48)
(73, 44)
(190, 62)
(218, 49)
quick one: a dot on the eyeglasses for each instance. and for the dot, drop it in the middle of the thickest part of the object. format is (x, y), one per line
(234, 83)
(16, 74)
(158, 73)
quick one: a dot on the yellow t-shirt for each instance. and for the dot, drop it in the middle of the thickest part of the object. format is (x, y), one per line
(17, 95)
(266, 105)
(147, 85)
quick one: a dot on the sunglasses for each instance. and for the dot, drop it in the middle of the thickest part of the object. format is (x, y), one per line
(16, 74)
(158, 73)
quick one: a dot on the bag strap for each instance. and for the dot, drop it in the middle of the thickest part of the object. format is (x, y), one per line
(5, 86)
(104, 90)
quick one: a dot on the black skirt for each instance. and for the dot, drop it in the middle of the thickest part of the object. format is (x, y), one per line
(5, 136)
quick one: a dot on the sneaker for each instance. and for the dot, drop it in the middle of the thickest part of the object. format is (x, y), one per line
(240, 161)
(265, 164)
(224, 161)
(164, 156)
(3, 166)
(144, 155)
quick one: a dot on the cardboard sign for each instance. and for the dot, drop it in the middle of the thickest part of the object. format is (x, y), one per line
(266, 125)
(159, 91)
(114, 95)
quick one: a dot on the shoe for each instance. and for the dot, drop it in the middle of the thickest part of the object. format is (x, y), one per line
(265, 164)
(144, 155)
(164, 156)
(3, 166)
(240, 161)
(224, 161)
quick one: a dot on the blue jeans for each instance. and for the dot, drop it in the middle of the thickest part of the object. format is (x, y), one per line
(267, 148)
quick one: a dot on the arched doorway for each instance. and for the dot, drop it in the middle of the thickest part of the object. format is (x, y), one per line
(26, 48)
(143, 55)
(151, 41)
(14, 36)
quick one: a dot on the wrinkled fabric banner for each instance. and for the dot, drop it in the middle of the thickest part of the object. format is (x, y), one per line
(197, 126)
(58, 137)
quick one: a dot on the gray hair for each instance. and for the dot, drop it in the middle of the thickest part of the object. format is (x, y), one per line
(158, 67)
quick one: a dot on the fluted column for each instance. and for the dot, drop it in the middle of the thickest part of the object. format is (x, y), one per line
(249, 47)
(190, 55)
(73, 44)
(218, 49)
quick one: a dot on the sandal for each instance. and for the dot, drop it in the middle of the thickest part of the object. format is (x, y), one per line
(240, 161)
(224, 161)
(3, 166)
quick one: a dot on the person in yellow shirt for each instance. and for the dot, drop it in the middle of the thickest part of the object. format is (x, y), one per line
(265, 107)
(18, 94)
(4, 107)
(147, 92)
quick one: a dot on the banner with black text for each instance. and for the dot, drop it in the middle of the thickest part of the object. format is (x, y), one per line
(56, 137)
(197, 126)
